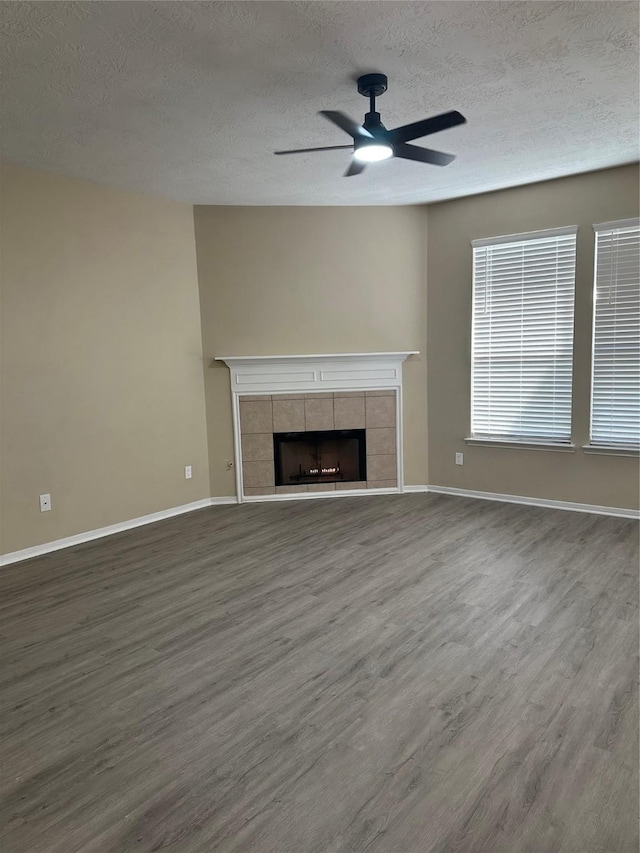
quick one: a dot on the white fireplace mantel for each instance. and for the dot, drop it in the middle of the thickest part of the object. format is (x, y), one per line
(282, 374)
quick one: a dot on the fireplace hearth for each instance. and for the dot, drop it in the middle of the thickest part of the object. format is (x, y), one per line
(324, 456)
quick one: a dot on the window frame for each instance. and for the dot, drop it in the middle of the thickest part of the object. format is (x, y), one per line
(506, 441)
(599, 448)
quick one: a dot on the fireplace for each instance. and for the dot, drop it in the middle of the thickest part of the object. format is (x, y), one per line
(288, 409)
(323, 456)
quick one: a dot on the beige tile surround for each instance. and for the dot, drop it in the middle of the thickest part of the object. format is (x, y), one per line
(262, 415)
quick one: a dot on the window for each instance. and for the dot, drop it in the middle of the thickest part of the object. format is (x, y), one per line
(522, 349)
(615, 382)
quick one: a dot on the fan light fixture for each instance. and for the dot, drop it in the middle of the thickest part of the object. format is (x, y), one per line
(372, 153)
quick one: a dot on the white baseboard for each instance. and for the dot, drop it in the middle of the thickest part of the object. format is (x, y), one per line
(223, 501)
(620, 512)
(79, 538)
(88, 536)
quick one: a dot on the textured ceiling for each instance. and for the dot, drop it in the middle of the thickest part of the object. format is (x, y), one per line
(189, 99)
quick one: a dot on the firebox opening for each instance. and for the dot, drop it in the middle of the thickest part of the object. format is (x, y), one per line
(327, 456)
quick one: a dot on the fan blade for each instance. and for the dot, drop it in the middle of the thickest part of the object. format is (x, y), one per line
(422, 155)
(347, 124)
(426, 126)
(355, 167)
(325, 148)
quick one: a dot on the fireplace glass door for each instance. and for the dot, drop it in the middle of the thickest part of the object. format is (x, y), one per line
(328, 456)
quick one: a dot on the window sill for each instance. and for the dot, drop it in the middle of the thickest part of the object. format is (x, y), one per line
(514, 444)
(606, 450)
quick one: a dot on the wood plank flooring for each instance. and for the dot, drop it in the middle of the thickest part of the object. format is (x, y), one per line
(390, 674)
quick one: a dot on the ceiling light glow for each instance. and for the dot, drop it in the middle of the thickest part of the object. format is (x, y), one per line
(371, 153)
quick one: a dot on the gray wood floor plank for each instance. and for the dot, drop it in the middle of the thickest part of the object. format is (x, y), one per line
(397, 674)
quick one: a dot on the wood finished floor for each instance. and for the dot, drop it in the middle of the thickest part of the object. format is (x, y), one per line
(397, 674)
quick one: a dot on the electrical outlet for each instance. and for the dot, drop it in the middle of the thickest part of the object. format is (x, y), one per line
(188, 474)
(459, 458)
(45, 503)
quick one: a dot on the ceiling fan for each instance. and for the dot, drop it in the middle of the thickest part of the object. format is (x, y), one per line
(373, 142)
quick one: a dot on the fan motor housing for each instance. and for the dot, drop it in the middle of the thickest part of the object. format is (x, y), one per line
(372, 84)
(372, 122)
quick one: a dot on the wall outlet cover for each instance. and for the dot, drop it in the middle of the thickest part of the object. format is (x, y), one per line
(45, 503)
(187, 472)
(459, 458)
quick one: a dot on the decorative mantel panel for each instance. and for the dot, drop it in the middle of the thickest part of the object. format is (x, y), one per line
(301, 388)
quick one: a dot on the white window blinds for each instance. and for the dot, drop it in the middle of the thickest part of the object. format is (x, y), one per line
(522, 349)
(615, 389)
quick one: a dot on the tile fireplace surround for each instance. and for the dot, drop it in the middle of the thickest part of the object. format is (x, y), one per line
(309, 393)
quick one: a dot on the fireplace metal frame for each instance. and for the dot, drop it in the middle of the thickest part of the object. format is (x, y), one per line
(319, 435)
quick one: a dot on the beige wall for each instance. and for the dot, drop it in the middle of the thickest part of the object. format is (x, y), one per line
(103, 401)
(312, 280)
(582, 200)
(102, 380)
